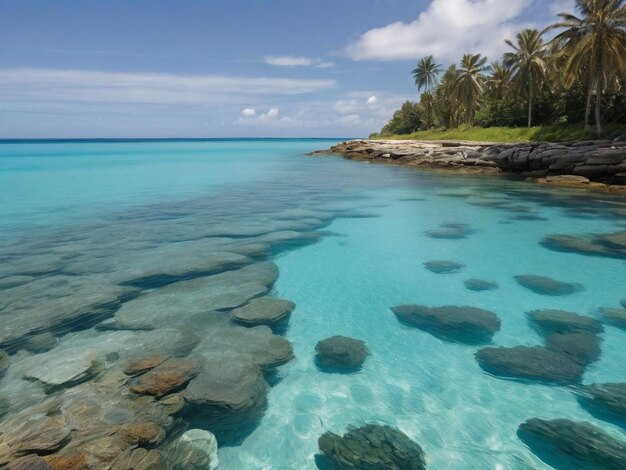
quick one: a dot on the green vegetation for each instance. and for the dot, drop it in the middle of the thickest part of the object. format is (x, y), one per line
(551, 84)
(555, 133)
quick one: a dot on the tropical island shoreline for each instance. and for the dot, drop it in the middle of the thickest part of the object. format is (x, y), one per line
(598, 165)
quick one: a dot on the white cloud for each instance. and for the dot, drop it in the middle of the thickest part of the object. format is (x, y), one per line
(350, 119)
(372, 100)
(248, 112)
(447, 29)
(120, 87)
(295, 61)
(270, 115)
(287, 61)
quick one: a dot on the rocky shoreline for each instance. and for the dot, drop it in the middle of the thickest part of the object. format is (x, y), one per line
(598, 165)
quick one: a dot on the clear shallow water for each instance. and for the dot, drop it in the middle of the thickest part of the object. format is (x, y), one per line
(433, 391)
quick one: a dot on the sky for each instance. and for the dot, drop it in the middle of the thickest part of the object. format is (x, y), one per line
(233, 68)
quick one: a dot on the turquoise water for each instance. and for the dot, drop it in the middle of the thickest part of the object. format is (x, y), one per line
(346, 283)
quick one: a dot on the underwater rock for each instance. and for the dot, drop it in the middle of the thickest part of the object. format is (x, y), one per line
(567, 444)
(36, 435)
(143, 364)
(582, 347)
(560, 321)
(450, 231)
(609, 397)
(62, 369)
(136, 459)
(263, 311)
(623, 303)
(607, 245)
(56, 303)
(340, 352)
(372, 446)
(533, 363)
(617, 316)
(443, 267)
(196, 449)
(229, 384)
(41, 343)
(175, 302)
(167, 377)
(451, 323)
(479, 285)
(547, 286)
(147, 433)
(29, 462)
(4, 362)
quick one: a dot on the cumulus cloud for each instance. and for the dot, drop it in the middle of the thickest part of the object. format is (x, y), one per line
(372, 100)
(270, 115)
(248, 112)
(120, 87)
(295, 61)
(447, 28)
(287, 61)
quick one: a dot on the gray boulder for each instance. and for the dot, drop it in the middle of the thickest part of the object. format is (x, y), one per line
(372, 446)
(530, 363)
(609, 397)
(616, 316)
(571, 445)
(340, 353)
(196, 449)
(544, 285)
(41, 343)
(451, 323)
(559, 321)
(479, 285)
(263, 311)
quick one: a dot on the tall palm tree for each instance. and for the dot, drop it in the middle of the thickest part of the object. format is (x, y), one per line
(499, 78)
(593, 46)
(426, 73)
(528, 65)
(469, 83)
(447, 107)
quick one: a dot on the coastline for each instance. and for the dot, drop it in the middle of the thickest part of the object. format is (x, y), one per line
(598, 165)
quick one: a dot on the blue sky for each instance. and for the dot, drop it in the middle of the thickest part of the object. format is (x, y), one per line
(228, 68)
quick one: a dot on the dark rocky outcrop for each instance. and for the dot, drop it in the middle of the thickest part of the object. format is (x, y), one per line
(4, 362)
(569, 445)
(167, 377)
(29, 462)
(451, 323)
(480, 285)
(340, 353)
(544, 285)
(609, 245)
(450, 231)
(590, 163)
(530, 363)
(559, 321)
(443, 267)
(583, 348)
(372, 446)
(609, 399)
(616, 316)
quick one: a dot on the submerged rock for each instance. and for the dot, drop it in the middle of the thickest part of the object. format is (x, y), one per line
(166, 377)
(194, 450)
(610, 398)
(147, 433)
(547, 286)
(443, 267)
(143, 364)
(617, 316)
(372, 446)
(611, 245)
(136, 459)
(450, 231)
(560, 321)
(29, 462)
(340, 352)
(479, 285)
(228, 384)
(451, 323)
(37, 435)
(533, 363)
(64, 368)
(567, 444)
(263, 311)
(583, 347)
(41, 343)
(4, 362)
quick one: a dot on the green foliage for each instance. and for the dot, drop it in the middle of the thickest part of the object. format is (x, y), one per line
(552, 86)
(404, 121)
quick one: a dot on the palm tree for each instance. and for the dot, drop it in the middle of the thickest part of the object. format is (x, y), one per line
(426, 73)
(499, 79)
(594, 47)
(528, 65)
(469, 83)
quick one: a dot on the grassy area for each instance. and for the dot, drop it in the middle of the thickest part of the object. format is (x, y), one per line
(511, 134)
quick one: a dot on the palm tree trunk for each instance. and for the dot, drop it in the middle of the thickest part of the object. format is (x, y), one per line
(599, 130)
(588, 108)
(530, 109)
